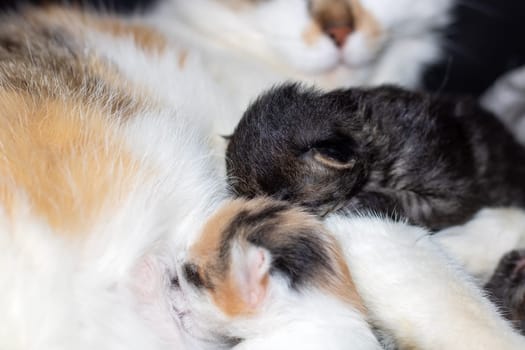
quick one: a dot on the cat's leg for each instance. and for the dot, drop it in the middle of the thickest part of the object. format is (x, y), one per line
(481, 242)
(415, 292)
(506, 287)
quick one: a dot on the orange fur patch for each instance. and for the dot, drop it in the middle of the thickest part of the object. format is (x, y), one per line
(205, 249)
(229, 299)
(183, 56)
(64, 159)
(332, 12)
(312, 33)
(345, 288)
(226, 293)
(364, 20)
(145, 37)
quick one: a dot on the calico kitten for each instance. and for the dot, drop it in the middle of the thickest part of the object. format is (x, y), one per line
(434, 161)
(258, 266)
(247, 46)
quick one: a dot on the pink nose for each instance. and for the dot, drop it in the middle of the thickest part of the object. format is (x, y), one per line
(339, 34)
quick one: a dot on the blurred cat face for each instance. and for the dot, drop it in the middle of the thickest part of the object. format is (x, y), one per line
(316, 36)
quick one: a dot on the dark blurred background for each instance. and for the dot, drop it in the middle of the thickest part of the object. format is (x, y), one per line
(486, 39)
(118, 6)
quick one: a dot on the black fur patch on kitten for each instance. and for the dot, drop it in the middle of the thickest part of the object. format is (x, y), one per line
(432, 160)
(506, 287)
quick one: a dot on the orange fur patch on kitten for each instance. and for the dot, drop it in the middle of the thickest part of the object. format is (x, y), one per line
(183, 57)
(245, 242)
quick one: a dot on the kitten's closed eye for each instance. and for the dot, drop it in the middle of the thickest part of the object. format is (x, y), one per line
(335, 153)
(192, 275)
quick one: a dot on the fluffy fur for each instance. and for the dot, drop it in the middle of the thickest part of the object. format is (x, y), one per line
(433, 160)
(103, 170)
(416, 280)
(106, 180)
(480, 243)
(247, 46)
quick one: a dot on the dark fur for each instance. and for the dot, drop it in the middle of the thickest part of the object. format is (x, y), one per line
(507, 288)
(432, 160)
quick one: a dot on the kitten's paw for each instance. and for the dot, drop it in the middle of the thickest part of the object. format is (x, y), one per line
(507, 287)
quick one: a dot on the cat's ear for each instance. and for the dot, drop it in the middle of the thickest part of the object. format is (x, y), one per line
(251, 268)
(335, 153)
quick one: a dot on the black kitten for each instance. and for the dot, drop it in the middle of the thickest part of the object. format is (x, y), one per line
(507, 287)
(434, 161)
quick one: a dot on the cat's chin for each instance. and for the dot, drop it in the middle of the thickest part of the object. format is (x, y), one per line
(355, 65)
(318, 62)
(340, 74)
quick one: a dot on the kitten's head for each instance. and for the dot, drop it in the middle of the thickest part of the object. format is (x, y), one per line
(252, 255)
(318, 36)
(301, 146)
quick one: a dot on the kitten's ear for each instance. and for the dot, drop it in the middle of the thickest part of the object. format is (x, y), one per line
(336, 153)
(251, 268)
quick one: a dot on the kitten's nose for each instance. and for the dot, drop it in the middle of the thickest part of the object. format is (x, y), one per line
(339, 33)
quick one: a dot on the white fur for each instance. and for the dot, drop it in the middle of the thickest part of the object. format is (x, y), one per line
(480, 243)
(249, 49)
(418, 294)
(311, 321)
(108, 291)
(112, 291)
